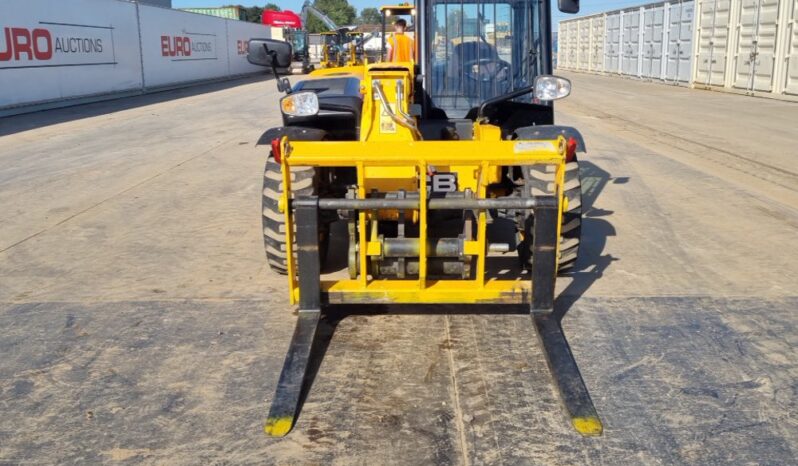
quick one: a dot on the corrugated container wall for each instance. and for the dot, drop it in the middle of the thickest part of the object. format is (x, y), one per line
(743, 46)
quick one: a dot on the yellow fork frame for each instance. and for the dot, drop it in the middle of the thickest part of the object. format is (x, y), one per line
(482, 155)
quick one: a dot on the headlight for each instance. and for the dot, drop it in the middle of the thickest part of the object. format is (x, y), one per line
(300, 104)
(551, 87)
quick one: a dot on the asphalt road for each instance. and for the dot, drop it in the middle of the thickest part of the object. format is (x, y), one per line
(140, 324)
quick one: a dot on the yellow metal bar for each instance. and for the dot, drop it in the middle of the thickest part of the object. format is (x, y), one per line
(285, 196)
(422, 225)
(374, 248)
(482, 225)
(471, 248)
(361, 224)
(403, 153)
(435, 291)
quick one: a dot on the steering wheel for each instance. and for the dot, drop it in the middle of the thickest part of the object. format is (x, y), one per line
(487, 69)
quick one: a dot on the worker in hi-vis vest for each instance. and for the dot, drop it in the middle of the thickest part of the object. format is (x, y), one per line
(400, 46)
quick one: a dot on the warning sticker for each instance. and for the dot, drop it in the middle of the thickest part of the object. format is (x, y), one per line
(387, 125)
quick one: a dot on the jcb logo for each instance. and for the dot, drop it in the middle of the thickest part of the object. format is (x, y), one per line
(36, 44)
(442, 182)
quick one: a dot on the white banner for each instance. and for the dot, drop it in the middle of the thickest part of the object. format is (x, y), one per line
(178, 46)
(54, 50)
(238, 34)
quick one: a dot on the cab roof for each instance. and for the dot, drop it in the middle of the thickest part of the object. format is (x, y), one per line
(404, 9)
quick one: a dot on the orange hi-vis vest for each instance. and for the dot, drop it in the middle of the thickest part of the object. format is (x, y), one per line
(402, 47)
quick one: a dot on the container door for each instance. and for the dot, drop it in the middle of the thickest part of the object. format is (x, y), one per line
(648, 34)
(565, 43)
(680, 41)
(597, 37)
(653, 19)
(584, 44)
(756, 45)
(573, 37)
(791, 83)
(612, 44)
(631, 42)
(713, 40)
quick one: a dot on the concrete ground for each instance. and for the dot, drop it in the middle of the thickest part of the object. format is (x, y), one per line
(139, 323)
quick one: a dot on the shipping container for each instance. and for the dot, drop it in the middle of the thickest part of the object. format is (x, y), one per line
(613, 43)
(632, 42)
(598, 38)
(743, 46)
(790, 48)
(573, 45)
(755, 51)
(583, 54)
(228, 12)
(653, 42)
(712, 42)
(564, 54)
(555, 48)
(679, 49)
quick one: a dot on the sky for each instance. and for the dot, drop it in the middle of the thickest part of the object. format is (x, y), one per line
(587, 6)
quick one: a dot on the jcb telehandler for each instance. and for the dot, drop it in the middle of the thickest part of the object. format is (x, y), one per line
(421, 159)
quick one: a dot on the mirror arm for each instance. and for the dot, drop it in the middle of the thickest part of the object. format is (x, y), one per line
(502, 98)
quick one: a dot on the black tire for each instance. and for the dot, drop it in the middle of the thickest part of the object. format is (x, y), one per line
(539, 180)
(304, 182)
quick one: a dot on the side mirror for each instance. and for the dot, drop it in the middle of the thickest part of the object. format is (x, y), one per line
(269, 52)
(568, 6)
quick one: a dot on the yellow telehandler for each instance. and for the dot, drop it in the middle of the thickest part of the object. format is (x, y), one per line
(421, 159)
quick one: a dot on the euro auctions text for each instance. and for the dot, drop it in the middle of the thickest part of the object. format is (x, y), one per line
(55, 44)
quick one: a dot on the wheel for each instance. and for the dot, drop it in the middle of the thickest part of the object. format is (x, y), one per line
(539, 180)
(304, 182)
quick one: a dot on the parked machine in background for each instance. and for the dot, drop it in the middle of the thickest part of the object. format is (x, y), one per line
(355, 54)
(298, 39)
(332, 49)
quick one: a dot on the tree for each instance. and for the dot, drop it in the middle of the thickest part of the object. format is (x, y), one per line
(272, 7)
(370, 16)
(339, 11)
(252, 14)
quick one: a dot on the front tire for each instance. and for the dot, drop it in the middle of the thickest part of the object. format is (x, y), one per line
(539, 180)
(304, 182)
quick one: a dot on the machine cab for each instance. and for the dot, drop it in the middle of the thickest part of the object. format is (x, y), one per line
(480, 49)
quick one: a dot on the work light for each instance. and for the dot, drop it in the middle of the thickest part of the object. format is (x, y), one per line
(551, 87)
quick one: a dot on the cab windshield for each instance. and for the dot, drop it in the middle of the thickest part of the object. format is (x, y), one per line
(480, 49)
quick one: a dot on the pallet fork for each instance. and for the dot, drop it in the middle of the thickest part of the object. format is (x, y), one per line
(565, 372)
